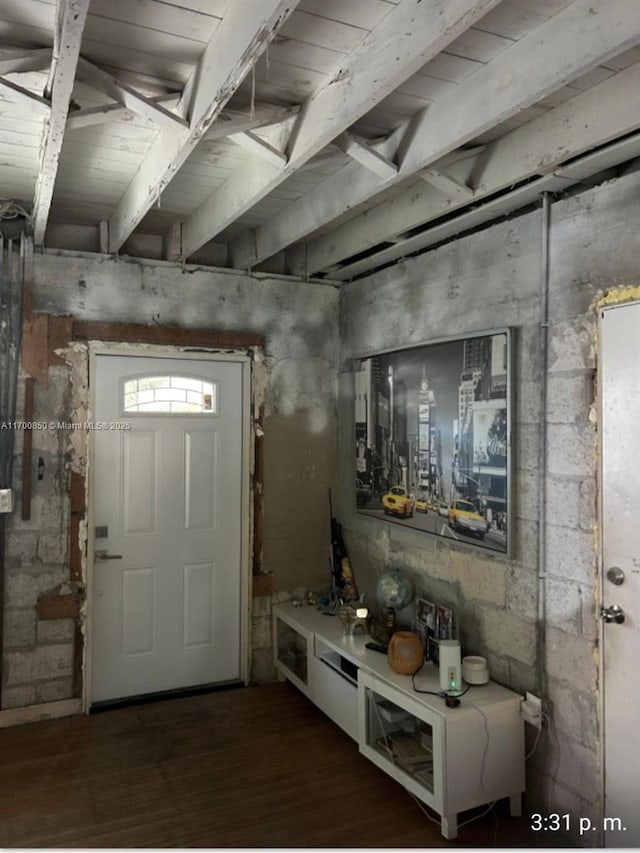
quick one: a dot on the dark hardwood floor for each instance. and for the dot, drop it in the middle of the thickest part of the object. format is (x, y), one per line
(255, 767)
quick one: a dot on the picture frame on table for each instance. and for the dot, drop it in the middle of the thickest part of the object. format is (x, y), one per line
(445, 627)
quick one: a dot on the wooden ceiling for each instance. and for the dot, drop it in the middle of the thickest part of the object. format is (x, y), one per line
(321, 138)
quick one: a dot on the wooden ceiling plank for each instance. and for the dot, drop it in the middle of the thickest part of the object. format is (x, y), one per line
(72, 15)
(234, 48)
(576, 39)
(19, 95)
(24, 60)
(590, 120)
(366, 155)
(407, 38)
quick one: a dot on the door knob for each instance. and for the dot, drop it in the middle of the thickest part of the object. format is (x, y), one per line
(614, 613)
(615, 575)
(104, 555)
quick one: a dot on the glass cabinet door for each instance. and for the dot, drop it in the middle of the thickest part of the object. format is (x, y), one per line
(401, 738)
(292, 649)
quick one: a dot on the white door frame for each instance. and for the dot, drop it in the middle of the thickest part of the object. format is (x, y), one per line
(98, 348)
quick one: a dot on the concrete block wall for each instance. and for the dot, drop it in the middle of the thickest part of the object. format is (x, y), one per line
(37, 665)
(485, 281)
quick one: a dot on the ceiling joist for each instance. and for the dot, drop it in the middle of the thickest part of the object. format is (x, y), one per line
(72, 15)
(409, 36)
(571, 43)
(233, 49)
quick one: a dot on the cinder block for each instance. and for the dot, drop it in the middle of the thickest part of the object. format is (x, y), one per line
(571, 659)
(52, 548)
(572, 344)
(577, 768)
(56, 631)
(479, 579)
(571, 450)
(54, 691)
(563, 500)
(522, 592)
(575, 713)
(19, 628)
(508, 634)
(527, 495)
(527, 447)
(571, 554)
(563, 605)
(18, 697)
(522, 678)
(21, 590)
(20, 548)
(569, 397)
(43, 662)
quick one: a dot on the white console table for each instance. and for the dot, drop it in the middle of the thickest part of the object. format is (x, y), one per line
(452, 759)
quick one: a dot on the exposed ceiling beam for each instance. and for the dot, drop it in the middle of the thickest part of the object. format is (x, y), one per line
(410, 35)
(90, 116)
(237, 42)
(258, 147)
(18, 61)
(571, 43)
(366, 155)
(72, 15)
(18, 95)
(129, 98)
(591, 119)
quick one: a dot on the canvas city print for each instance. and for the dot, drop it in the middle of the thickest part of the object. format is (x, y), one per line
(432, 426)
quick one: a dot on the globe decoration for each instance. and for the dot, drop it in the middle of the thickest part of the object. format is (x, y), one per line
(394, 591)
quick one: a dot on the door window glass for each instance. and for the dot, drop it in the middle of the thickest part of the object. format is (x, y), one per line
(169, 395)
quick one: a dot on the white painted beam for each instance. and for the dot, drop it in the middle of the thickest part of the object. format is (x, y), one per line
(103, 236)
(366, 155)
(591, 119)
(72, 15)
(238, 41)
(19, 95)
(90, 116)
(18, 61)
(129, 98)
(410, 35)
(447, 184)
(258, 147)
(583, 35)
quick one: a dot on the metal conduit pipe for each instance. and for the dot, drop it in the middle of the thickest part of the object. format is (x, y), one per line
(542, 509)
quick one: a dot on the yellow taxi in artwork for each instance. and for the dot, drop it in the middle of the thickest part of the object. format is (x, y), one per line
(398, 501)
(464, 516)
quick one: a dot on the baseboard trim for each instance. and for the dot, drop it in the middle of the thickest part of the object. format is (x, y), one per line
(38, 713)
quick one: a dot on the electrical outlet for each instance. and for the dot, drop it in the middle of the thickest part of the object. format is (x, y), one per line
(531, 710)
(6, 500)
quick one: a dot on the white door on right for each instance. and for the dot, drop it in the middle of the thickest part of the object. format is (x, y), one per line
(620, 460)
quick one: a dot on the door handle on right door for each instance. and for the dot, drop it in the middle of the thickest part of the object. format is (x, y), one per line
(614, 613)
(104, 555)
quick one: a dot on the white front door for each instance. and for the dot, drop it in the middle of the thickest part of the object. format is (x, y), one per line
(620, 457)
(167, 497)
